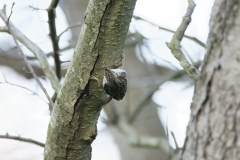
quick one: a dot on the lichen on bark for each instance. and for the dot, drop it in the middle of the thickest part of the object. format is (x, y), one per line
(72, 127)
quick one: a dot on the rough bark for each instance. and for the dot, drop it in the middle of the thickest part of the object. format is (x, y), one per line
(214, 126)
(72, 127)
(72, 10)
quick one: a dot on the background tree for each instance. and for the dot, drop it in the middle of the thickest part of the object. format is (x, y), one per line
(213, 128)
(129, 119)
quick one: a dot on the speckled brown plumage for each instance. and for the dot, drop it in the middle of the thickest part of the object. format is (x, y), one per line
(116, 83)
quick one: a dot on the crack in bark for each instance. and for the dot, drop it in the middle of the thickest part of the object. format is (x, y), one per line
(225, 126)
(204, 101)
(209, 131)
(75, 108)
(87, 85)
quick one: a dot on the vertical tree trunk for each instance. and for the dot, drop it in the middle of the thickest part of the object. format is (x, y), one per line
(213, 131)
(72, 126)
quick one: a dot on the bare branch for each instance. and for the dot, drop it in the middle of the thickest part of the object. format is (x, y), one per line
(140, 140)
(175, 141)
(61, 50)
(47, 69)
(51, 10)
(7, 136)
(36, 8)
(34, 93)
(175, 46)
(69, 27)
(10, 13)
(67, 61)
(11, 53)
(169, 30)
(25, 59)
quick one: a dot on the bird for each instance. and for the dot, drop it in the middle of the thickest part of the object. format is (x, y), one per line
(115, 83)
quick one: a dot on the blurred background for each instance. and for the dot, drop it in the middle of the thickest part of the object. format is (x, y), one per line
(159, 94)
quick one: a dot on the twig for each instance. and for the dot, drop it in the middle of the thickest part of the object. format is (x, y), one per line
(11, 54)
(61, 50)
(175, 141)
(66, 61)
(28, 64)
(34, 93)
(69, 27)
(36, 8)
(175, 46)
(24, 68)
(51, 10)
(19, 57)
(10, 13)
(47, 69)
(169, 30)
(7, 136)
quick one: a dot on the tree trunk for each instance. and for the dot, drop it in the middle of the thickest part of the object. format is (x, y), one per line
(72, 127)
(214, 126)
(135, 70)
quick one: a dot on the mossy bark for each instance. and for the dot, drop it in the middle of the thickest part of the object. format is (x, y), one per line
(72, 127)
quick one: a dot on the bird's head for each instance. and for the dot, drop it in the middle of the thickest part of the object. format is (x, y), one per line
(118, 73)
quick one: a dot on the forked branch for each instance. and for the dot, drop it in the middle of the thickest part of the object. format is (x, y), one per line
(6, 20)
(47, 69)
(175, 46)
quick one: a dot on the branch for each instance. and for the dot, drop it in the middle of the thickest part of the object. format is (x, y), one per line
(6, 82)
(61, 50)
(175, 46)
(25, 58)
(51, 10)
(142, 141)
(11, 54)
(171, 31)
(38, 9)
(7, 136)
(69, 27)
(175, 141)
(15, 56)
(72, 127)
(47, 69)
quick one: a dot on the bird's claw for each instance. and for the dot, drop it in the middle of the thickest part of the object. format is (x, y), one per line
(95, 79)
